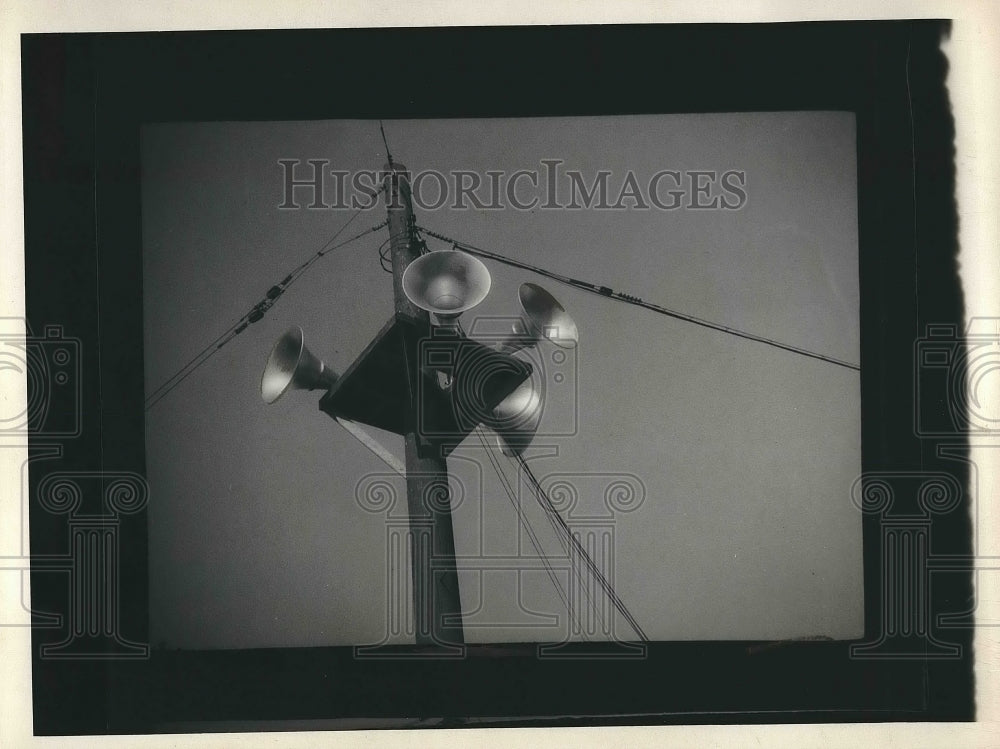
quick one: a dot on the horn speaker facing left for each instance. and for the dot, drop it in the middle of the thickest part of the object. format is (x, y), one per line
(291, 366)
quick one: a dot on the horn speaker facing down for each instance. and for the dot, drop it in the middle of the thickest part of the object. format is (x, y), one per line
(446, 283)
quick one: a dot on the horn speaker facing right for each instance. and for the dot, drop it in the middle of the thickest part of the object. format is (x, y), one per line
(541, 317)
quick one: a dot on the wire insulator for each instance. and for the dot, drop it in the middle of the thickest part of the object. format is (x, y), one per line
(629, 298)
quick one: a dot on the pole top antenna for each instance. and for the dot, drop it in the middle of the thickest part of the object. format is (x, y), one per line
(388, 153)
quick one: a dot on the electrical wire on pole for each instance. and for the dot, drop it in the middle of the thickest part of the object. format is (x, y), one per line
(549, 508)
(530, 531)
(618, 296)
(256, 312)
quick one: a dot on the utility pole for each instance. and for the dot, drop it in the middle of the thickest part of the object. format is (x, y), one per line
(395, 384)
(437, 606)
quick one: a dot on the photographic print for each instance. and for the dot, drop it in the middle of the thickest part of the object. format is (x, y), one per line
(731, 522)
(496, 377)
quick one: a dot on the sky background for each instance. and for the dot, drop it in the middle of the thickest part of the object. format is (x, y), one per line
(747, 453)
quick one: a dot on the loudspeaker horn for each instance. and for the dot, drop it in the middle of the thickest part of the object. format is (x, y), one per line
(541, 317)
(515, 419)
(291, 366)
(446, 283)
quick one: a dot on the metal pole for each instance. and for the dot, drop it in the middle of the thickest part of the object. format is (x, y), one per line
(432, 541)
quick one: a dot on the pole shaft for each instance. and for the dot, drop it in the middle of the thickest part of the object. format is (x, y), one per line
(435, 591)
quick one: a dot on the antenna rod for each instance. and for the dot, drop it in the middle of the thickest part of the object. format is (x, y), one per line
(388, 155)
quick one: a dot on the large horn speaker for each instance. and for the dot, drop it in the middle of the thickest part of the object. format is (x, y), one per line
(291, 366)
(446, 283)
(541, 317)
(516, 417)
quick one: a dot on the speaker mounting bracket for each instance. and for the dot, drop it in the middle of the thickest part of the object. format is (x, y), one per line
(402, 362)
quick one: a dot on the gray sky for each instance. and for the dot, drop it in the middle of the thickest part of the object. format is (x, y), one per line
(747, 453)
